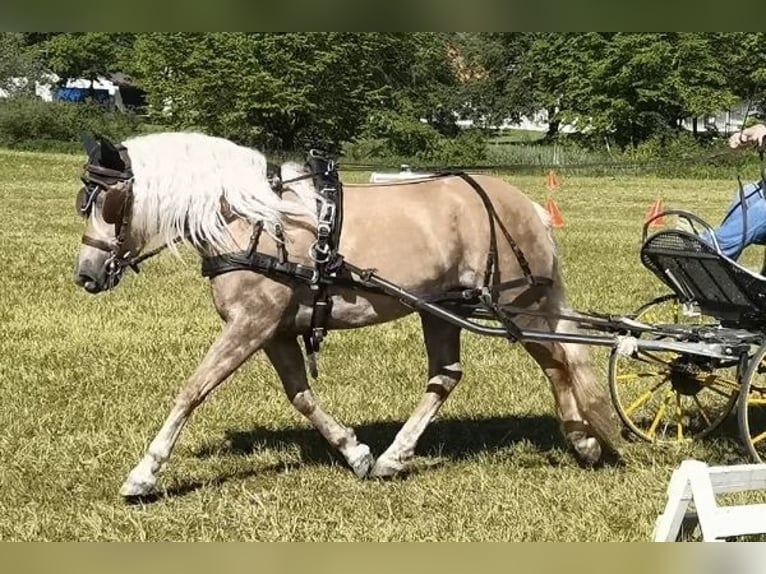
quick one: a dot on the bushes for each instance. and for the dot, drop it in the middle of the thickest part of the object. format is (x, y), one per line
(31, 123)
(391, 137)
(402, 136)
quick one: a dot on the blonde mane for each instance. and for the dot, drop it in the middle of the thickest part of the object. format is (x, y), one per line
(181, 177)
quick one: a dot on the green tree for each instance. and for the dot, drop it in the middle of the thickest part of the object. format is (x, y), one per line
(16, 62)
(558, 73)
(493, 86)
(743, 59)
(628, 85)
(84, 54)
(288, 90)
(647, 83)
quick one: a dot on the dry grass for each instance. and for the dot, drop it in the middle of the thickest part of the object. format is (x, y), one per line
(86, 381)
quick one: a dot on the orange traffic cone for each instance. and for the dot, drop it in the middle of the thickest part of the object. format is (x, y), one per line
(656, 209)
(552, 181)
(557, 220)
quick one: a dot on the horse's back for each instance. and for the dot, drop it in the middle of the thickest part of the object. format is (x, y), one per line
(439, 228)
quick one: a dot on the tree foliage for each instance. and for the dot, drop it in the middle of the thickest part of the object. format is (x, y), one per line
(290, 89)
(293, 90)
(19, 68)
(84, 54)
(745, 66)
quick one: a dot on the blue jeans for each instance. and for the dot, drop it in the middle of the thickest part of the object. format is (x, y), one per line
(729, 232)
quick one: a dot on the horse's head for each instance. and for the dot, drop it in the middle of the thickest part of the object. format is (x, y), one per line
(105, 202)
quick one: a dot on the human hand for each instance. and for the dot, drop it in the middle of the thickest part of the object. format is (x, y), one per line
(754, 135)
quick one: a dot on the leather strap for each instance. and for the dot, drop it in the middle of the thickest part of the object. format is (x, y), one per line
(97, 243)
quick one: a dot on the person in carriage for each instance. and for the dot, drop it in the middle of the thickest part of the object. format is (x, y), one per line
(741, 228)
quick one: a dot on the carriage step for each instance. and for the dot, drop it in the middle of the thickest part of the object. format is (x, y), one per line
(695, 482)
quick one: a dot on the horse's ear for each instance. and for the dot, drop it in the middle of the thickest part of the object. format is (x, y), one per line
(114, 204)
(91, 147)
(110, 157)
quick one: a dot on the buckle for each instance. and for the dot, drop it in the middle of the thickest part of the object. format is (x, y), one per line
(319, 253)
(327, 212)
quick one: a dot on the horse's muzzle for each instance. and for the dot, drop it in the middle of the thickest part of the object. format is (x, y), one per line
(89, 283)
(95, 283)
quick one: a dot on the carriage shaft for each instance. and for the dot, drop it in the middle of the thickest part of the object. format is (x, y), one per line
(713, 349)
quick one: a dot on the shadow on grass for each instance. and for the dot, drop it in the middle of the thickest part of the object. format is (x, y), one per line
(448, 439)
(451, 438)
(723, 446)
(187, 487)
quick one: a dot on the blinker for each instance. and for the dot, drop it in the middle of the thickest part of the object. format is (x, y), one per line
(85, 199)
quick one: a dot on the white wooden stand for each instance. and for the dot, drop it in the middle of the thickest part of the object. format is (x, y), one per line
(695, 482)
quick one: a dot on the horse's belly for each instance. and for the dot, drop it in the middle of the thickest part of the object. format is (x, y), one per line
(352, 310)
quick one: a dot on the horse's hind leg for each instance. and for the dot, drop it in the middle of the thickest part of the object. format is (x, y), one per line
(582, 405)
(285, 354)
(444, 373)
(240, 338)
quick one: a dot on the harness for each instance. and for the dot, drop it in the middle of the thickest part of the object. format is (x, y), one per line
(330, 269)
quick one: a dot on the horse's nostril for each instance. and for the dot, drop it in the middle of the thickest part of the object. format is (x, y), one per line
(87, 282)
(82, 278)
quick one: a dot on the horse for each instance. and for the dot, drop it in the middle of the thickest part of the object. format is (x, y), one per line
(428, 236)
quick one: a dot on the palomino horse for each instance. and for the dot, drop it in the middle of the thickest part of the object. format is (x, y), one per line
(427, 237)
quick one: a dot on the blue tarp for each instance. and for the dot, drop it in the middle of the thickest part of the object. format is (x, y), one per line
(80, 95)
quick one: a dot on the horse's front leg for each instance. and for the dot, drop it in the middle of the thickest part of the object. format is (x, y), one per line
(285, 354)
(246, 330)
(444, 373)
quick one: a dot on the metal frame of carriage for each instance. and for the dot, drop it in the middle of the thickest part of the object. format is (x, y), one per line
(712, 299)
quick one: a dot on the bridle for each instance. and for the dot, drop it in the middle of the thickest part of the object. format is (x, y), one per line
(117, 209)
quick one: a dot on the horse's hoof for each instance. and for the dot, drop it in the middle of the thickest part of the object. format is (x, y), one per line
(387, 468)
(587, 448)
(360, 460)
(133, 489)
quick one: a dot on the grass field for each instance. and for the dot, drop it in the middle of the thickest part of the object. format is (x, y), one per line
(86, 381)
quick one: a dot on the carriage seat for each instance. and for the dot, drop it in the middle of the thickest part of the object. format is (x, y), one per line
(697, 272)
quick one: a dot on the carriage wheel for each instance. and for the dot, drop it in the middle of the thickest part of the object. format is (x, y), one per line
(669, 397)
(664, 396)
(752, 406)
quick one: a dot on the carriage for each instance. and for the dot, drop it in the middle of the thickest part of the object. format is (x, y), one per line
(673, 375)
(717, 311)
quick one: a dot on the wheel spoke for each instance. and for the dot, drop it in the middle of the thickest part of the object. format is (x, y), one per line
(640, 401)
(658, 417)
(719, 392)
(713, 379)
(702, 410)
(758, 438)
(635, 376)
